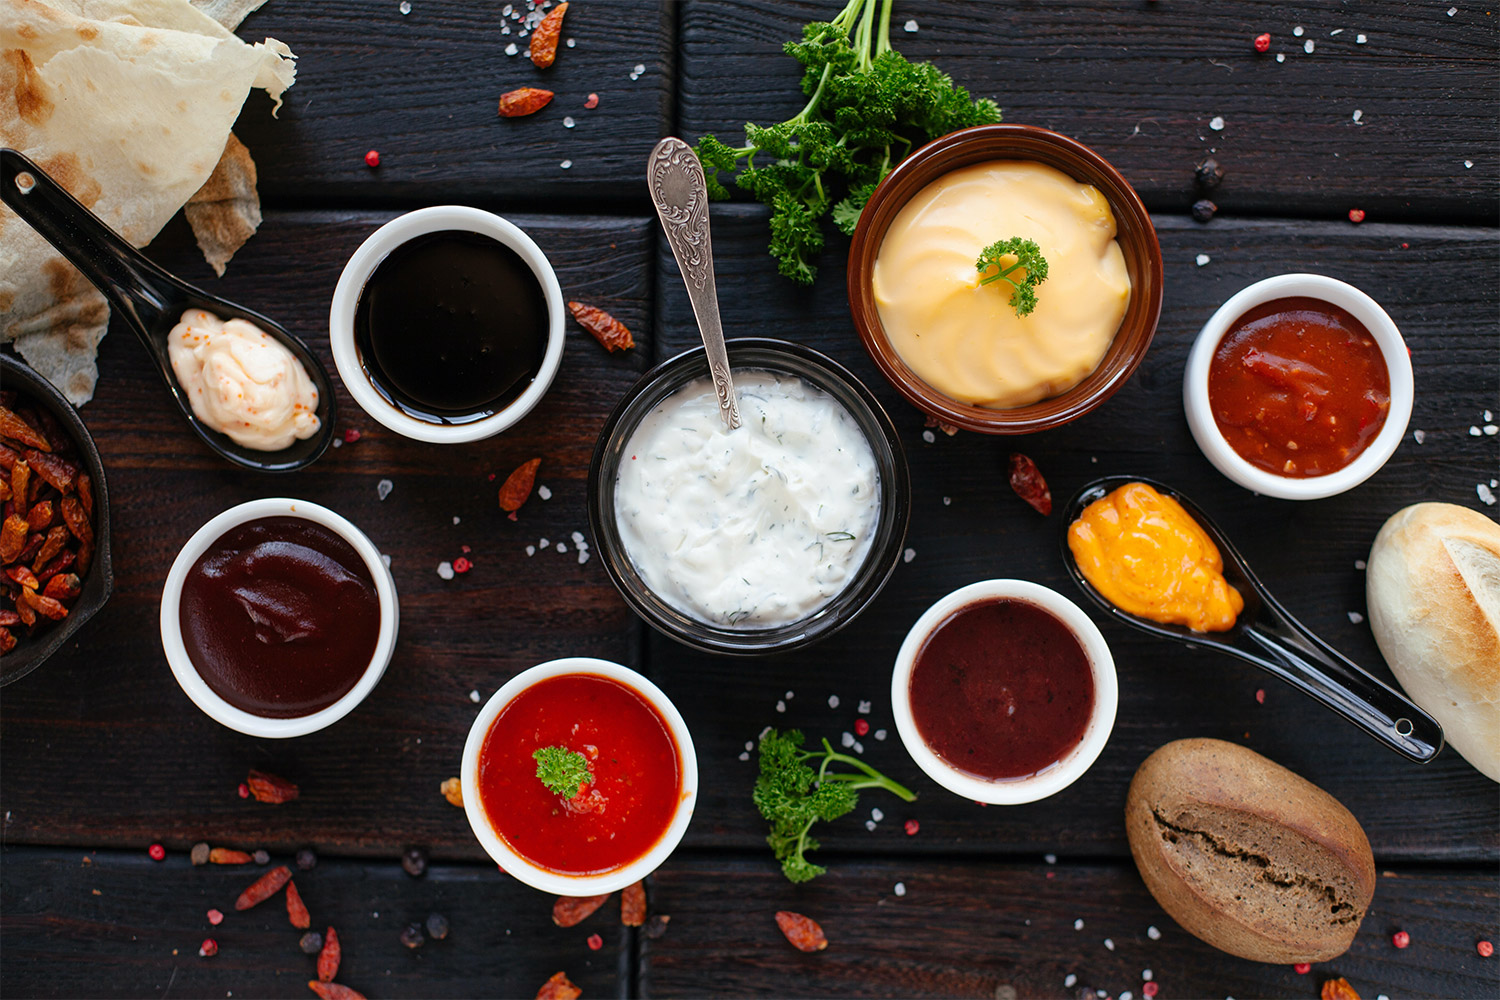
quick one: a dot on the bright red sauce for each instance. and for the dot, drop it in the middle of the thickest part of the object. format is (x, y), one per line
(1002, 689)
(1298, 387)
(632, 755)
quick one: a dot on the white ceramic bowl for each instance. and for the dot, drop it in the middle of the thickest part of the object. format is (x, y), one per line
(1078, 760)
(197, 688)
(1206, 430)
(555, 882)
(376, 248)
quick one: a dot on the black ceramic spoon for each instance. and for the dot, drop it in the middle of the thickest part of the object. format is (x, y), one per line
(151, 301)
(1267, 636)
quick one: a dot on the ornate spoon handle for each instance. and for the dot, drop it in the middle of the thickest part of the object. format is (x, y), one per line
(681, 197)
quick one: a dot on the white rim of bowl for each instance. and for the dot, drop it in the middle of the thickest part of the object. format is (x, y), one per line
(556, 882)
(193, 684)
(376, 247)
(1392, 348)
(1071, 767)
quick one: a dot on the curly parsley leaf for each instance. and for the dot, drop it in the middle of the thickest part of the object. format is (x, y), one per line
(1004, 258)
(563, 771)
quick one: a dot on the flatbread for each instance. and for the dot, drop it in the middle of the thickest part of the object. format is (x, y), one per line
(225, 211)
(128, 104)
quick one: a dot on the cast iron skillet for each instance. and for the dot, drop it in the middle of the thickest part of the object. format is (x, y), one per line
(151, 301)
(1267, 636)
(99, 581)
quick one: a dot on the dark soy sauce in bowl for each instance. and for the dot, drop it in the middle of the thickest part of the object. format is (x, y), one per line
(451, 327)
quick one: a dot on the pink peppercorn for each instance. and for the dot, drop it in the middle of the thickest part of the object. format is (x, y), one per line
(244, 790)
(912, 826)
(595, 942)
(208, 948)
(1263, 42)
(1485, 949)
(1302, 968)
(861, 727)
(1400, 939)
(462, 565)
(215, 917)
(1356, 215)
(1148, 990)
(592, 102)
(157, 852)
(1260, 696)
(352, 435)
(372, 158)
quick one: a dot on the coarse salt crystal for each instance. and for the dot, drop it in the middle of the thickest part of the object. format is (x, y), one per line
(749, 745)
(566, 164)
(859, 747)
(1126, 995)
(474, 696)
(1078, 924)
(445, 570)
(908, 555)
(947, 501)
(1452, 11)
(511, 49)
(911, 26)
(781, 706)
(338, 443)
(1419, 436)
(571, 43)
(531, 550)
(1153, 933)
(833, 701)
(880, 734)
(1492, 429)
(870, 825)
(544, 492)
(1488, 416)
(864, 708)
(583, 556)
(577, 537)
(876, 814)
(1358, 114)
(1335, 31)
(1202, 259)
(1216, 123)
(1360, 39)
(1474, 431)
(789, 695)
(1298, 31)
(929, 437)
(1355, 617)
(639, 68)
(745, 755)
(847, 739)
(1281, 57)
(1051, 859)
(543, 543)
(1359, 564)
(1109, 943)
(1308, 46)
(561, 547)
(1486, 494)
(1146, 975)
(455, 519)
(405, 7)
(1070, 981)
(568, 121)
(900, 889)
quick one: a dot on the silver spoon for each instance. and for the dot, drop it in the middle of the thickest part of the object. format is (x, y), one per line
(150, 301)
(1266, 635)
(680, 194)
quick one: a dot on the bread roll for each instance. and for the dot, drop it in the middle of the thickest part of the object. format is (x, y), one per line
(1433, 588)
(1246, 855)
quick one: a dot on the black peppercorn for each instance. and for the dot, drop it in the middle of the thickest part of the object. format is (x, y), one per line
(1208, 174)
(414, 861)
(311, 943)
(306, 859)
(412, 936)
(262, 858)
(1203, 209)
(437, 926)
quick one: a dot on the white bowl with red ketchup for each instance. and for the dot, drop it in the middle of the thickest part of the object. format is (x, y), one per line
(1298, 387)
(1004, 692)
(278, 617)
(579, 777)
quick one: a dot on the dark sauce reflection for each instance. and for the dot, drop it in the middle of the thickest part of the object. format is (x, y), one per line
(451, 327)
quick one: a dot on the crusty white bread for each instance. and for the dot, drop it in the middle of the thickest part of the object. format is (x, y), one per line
(1433, 589)
(1246, 855)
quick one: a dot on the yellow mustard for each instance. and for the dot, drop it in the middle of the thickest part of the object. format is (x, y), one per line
(1147, 556)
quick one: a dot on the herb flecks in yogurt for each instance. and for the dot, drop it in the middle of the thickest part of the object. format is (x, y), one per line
(753, 528)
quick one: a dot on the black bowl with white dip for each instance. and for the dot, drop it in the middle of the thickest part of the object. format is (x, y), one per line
(759, 540)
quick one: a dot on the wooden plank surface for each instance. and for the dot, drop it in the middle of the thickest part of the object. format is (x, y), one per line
(103, 923)
(423, 89)
(1006, 930)
(371, 781)
(1143, 82)
(1305, 552)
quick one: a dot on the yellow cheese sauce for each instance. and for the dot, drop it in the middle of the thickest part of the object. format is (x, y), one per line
(965, 340)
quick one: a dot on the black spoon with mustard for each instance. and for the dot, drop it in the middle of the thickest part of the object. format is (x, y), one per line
(150, 301)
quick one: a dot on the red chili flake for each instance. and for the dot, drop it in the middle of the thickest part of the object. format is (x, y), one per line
(208, 948)
(462, 565)
(1263, 42)
(592, 102)
(595, 942)
(372, 158)
(157, 852)
(465, 549)
(1148, 990)
(1356, 215)
(912, 826)
(633, 905)
(244, 790)
(1485, 949)
(1400, 939)
(352, 435)
(569, 911)
(1302, 968)
(215, 917)
(1260, 696)
(1026, 479)
(861, 727)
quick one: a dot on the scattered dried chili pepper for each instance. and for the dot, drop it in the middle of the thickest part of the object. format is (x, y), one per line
(296, 910)
(12, 426)
(568, 911)
(633, 904)
(333, 991)
(225, 856)
(453, 791)
(517, 486)
(1026, 479)
(328, 958)
(803, 932)
(271, 788)
(264, 887)
(610, 332)
(1339, 989)
(559, 987)
(524, 101)
(544, 38)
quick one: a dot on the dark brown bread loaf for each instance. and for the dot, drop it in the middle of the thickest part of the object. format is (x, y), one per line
(1246, 855)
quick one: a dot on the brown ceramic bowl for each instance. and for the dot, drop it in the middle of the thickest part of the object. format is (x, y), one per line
(1135, 234)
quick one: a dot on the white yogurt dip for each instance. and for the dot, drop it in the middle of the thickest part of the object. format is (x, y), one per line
(242, 382)
(753, 528)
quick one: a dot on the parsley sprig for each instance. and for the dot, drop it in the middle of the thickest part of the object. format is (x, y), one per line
(563, 771)
(867, 107)
(793, 796)
(1028, 260)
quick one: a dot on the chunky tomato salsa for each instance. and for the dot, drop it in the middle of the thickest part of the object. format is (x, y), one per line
(634, 762)
(1299, 387)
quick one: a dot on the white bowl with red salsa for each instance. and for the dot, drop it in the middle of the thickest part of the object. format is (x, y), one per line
(1298, 387)
(1004, 692)
(579, 777)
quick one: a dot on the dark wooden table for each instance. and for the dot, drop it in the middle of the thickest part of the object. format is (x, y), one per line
(102, 753)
